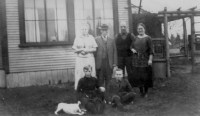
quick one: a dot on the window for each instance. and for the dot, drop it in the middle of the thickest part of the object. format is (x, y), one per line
(94, 12)
(45, 20)
(56, 22)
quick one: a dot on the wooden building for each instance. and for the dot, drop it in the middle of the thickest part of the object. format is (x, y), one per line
(37, 36)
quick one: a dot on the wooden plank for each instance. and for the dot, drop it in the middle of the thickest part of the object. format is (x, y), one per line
(60, 79)
(21, 80)
(71, 75)
(9, 80)
(26, 79)
(49, 77)
(37, 78)
(54, 77)
(65, 76)
(32, 78)
(43, 68)
(44, 80)
(15, 80)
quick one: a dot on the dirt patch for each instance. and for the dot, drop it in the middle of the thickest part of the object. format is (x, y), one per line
(178, 95)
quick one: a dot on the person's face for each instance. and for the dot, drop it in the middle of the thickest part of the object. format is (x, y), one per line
(104, 32)
(84, 30)
(141, 30)
(123, 29)
(88, 72)
(119, 75)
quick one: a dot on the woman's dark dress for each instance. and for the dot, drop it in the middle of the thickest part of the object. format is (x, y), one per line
(141, 72)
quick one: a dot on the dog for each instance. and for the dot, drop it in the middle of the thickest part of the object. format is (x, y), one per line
(70, 108)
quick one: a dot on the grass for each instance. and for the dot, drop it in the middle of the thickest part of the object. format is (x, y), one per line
(178, 95)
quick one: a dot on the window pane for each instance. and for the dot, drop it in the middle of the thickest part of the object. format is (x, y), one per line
(108, 22)
(78, 24)
(111, 27)
(99, 9)
(108, 10)
(30, 31)
(62, 31)
(29, 10)
(78, 8)
(51, 9)
(97, 25)
(61, 9)
(52, 31)
(39, 5)
(35, 31)
(88, 9)
(42, 30)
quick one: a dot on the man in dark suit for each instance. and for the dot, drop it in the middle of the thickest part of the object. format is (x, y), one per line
(106, 56)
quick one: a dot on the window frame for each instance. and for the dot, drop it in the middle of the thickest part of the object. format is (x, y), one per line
(71, 30)
(70, 24)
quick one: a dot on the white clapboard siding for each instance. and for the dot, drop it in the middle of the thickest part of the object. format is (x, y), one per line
(31, 59)
(122, 12)
(39, 78)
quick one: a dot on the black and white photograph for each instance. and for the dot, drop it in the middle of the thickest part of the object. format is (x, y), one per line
(100, 57)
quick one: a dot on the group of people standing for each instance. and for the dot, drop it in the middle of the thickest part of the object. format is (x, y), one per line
(97, 57)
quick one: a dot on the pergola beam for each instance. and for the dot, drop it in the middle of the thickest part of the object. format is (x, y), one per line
(180, 12)
(178, 15)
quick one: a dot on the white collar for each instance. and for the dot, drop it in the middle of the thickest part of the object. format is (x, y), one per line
(104, 37)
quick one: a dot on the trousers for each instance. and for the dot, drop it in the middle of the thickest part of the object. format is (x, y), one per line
(104, 73)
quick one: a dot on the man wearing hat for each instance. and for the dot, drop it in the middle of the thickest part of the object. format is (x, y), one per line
(123, 42)
(106, 56)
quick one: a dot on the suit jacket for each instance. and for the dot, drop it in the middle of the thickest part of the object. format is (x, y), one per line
(112, 51)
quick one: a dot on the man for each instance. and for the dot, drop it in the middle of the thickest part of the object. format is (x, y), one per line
(119, 91)
(106, 56)
(90, 93)
(123, 43)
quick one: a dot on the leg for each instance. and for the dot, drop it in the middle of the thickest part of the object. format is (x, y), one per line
(100, 77)
(99, 94)
(90, 107)
(60, 107)
(129, 66)
(117, 102)
(108, 73)
(121, 64)
(146, 91)
(99, 105)
(127, 98)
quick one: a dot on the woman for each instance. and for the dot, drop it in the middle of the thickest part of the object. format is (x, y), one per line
(142, 61)
(84, 46)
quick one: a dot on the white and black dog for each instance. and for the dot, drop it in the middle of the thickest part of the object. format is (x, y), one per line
(70, 108)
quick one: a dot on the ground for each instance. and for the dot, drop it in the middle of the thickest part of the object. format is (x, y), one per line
(178, 95)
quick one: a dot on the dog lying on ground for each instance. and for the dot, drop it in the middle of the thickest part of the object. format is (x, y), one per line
(70, 108)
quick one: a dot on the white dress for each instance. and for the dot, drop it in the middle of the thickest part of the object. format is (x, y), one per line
(84, 60)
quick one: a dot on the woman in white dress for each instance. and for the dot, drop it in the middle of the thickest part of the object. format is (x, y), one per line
(84, 46)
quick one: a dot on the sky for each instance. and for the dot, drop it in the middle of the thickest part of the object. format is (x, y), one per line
(174, 27)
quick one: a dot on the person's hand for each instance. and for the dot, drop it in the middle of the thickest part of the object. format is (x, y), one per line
(150, 62)
(133, 50)
(83, 52)
(102, 89)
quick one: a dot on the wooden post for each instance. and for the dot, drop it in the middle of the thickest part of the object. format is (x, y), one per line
(185, 39)
(166, 42)
(192, 43)
(140, 7)
(130, 16)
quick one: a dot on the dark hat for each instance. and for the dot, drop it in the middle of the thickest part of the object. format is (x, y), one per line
(104, 27)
